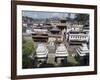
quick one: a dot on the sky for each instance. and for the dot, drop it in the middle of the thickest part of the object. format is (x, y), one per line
(38, 14)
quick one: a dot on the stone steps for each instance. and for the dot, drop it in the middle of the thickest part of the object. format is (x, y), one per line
(51, 58)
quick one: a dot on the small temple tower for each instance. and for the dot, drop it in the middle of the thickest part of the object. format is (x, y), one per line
(83, 55)
(41, 53)
(61, 53)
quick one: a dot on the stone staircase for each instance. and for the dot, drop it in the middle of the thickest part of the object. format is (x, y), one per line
(51, 58)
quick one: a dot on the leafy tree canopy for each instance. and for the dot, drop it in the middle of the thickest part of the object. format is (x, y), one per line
(82, 17)
(27, 47)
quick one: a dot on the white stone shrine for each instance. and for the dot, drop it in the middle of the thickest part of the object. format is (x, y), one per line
(41, 52)
(83, 50)
(61, 53)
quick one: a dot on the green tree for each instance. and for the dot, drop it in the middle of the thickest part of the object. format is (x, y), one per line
(83, 18)
(27, 48)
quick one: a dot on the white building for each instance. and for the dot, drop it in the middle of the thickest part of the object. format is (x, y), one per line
(40, 30)
(28, 31)
(24, 24)
(61, 53)
(77, 37)
(40, 35)
(77, 27)
(41, 52)
(83, 50)
(74, 27)
(86, 28)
